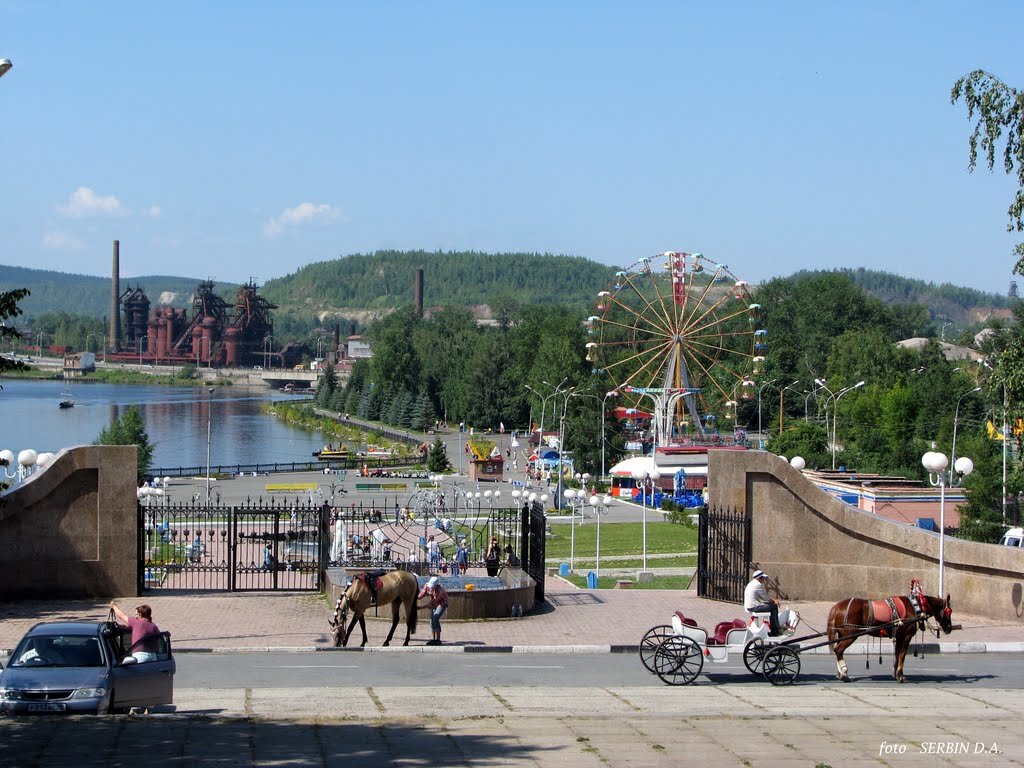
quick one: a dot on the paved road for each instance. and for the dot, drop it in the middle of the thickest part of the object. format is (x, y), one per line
(397, 668)
(719, 726)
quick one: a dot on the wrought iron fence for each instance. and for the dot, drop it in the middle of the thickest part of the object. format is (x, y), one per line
(263, 469)
(723, 553)
(278, 545)
(271, 546)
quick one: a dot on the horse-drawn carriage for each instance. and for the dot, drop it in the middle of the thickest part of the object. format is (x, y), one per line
(676, 652)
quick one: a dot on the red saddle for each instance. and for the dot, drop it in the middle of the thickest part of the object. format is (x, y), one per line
(376, 582)
(882, 612)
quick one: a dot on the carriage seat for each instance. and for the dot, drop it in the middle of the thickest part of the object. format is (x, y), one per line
(722, 630)
(684, 620)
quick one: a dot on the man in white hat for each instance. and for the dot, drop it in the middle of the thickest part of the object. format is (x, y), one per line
(757, 600)
(438, 605)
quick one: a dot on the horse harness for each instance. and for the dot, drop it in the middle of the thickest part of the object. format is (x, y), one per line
(890, 613)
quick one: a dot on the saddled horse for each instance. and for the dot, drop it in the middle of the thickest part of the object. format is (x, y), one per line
(399, 588)
(895, 617)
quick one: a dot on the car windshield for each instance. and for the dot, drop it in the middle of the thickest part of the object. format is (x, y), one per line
(58, 651)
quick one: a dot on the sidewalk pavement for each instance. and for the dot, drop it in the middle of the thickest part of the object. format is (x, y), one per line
(720, 725)
(572, 620)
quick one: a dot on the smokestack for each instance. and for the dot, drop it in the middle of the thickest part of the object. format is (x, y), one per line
(337, 342)
(115, 295)
(418, 291)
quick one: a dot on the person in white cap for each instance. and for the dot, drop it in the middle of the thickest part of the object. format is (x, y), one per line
(757, 600)
(438, 605)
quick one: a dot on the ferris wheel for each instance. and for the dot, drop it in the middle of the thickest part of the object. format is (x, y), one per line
(682, 332)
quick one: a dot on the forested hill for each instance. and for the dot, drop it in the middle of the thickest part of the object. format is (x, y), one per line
(947, 301)
(90, 295)
(385, 279)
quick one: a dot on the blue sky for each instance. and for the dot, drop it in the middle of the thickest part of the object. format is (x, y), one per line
(237, 140)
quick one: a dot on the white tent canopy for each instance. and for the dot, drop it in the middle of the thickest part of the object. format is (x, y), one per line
(627, 467)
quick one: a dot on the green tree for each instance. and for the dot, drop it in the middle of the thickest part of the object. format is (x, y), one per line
(805, 440)
(8, 309)
(437, 458)
(1000, 110)
(981, 518)
(130, 429)
(326, 385)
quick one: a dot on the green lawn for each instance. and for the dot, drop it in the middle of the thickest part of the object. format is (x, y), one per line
(660, 582)
(624, 539)
(585, 561)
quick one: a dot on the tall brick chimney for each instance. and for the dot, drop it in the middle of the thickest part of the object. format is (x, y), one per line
(114, 342)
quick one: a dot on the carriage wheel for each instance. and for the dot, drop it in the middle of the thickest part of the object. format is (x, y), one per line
(678, 661)
(652, 638)
(781, 665)
(753, 655)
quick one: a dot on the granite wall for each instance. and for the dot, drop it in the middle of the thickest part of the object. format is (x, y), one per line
(70, 530)
(814, 547)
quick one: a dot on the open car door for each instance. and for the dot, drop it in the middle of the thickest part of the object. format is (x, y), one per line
(145, 683)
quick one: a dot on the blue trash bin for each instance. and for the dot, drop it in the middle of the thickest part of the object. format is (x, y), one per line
(563, 569)
(591, 580)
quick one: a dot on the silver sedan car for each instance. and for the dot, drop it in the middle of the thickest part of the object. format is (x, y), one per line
(85, 667)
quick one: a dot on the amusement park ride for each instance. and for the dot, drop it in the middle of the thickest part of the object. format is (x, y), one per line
(681, 335)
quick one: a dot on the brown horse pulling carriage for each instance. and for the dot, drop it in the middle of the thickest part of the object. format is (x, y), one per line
(676, 653)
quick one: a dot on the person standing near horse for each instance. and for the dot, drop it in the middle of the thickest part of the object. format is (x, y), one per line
(438, 605)
(143, 630)
(757, 600)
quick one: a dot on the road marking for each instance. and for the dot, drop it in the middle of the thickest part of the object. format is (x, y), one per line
(306, 667)
(510, 666)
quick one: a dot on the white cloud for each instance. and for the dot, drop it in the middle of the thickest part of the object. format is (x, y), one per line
(153, 210)
(85, 204)
(303, 213)
(61, 241)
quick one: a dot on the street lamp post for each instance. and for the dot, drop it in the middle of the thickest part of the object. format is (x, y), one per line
(760, 439)
(40, 344)
(782, 401)
(209, 424)
(574, 498)
(835, 417)
(807, 396)
(939, 476)
(604, 445)
(646, 479)
(600, 505)
(956, 419)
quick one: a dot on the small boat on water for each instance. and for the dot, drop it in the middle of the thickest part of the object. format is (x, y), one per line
(330, 453)
(65, 399)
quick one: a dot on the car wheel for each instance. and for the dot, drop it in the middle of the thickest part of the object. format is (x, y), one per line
(112, 710)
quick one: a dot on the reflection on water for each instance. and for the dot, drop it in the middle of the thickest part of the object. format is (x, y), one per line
(176, 421)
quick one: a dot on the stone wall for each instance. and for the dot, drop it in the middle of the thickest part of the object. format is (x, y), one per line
(814, 547)
(70, 530)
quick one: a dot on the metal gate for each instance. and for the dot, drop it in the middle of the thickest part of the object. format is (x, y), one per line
(534, 540)
(187, 547)
(723, 554)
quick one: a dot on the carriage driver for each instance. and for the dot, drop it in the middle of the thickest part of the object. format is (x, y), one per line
(756, 600)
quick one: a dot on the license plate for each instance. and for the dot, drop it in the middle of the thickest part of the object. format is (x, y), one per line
(46, 706)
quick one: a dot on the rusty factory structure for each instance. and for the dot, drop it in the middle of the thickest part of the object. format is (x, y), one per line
(214, 334)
